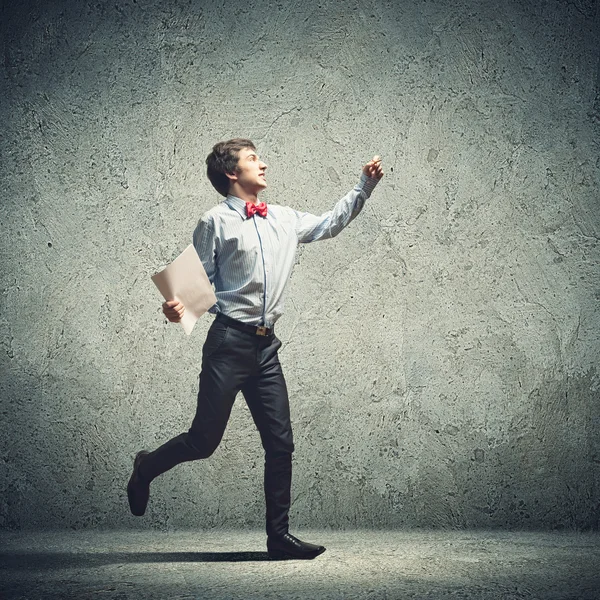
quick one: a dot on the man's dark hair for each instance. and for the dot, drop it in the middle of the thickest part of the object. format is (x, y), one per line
(223, 159)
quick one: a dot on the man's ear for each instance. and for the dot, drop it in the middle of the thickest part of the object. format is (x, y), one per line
(232, 177)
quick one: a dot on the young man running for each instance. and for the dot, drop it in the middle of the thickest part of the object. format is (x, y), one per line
(248, 251)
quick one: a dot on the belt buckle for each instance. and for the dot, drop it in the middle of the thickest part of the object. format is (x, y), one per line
(261, 330)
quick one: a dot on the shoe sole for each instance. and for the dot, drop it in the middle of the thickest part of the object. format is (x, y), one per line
(281, 555)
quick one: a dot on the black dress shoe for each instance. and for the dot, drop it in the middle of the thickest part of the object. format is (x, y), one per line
(287, 546)
(138, 489)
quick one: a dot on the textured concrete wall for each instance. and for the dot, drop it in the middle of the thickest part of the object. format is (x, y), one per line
(441, 353)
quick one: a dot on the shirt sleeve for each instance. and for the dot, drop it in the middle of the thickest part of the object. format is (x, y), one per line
(205, 244)
(311, 228)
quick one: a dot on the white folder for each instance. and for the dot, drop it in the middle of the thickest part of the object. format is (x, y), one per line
(186, 280)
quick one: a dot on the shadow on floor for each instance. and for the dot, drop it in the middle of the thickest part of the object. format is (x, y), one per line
(36, 561)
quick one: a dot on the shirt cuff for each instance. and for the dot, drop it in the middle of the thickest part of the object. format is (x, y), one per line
(367, 183)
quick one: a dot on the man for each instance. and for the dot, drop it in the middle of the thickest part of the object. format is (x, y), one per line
(248, 252)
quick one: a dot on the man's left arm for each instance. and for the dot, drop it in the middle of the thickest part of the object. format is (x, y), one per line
(311, 228)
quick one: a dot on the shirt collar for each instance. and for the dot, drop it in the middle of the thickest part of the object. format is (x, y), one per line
(237, 204)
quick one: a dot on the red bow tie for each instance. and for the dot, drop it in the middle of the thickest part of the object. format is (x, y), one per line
(252, 208)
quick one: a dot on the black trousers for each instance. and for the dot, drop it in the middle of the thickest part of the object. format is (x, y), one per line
(234, 361)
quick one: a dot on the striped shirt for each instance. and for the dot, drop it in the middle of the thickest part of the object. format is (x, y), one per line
(249, 260)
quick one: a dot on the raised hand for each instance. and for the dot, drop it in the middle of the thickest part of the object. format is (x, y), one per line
(373, 168)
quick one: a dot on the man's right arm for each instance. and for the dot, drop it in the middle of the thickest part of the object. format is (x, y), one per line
(204, 243)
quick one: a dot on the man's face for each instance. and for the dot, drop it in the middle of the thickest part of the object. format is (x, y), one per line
(250, 173)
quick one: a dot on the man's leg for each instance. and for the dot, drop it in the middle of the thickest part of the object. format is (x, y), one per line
(226, 363)
(267, 398)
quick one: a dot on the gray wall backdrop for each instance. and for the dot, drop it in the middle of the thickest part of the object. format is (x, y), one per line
(441, 353)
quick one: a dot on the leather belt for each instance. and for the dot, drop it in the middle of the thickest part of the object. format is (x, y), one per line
(245, 327)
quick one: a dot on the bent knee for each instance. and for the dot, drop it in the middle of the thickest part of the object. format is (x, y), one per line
(200, 446)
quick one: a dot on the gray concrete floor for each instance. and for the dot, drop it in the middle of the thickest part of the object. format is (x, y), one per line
(194, 565)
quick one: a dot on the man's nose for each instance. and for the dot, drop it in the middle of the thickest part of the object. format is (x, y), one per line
(263, 165)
